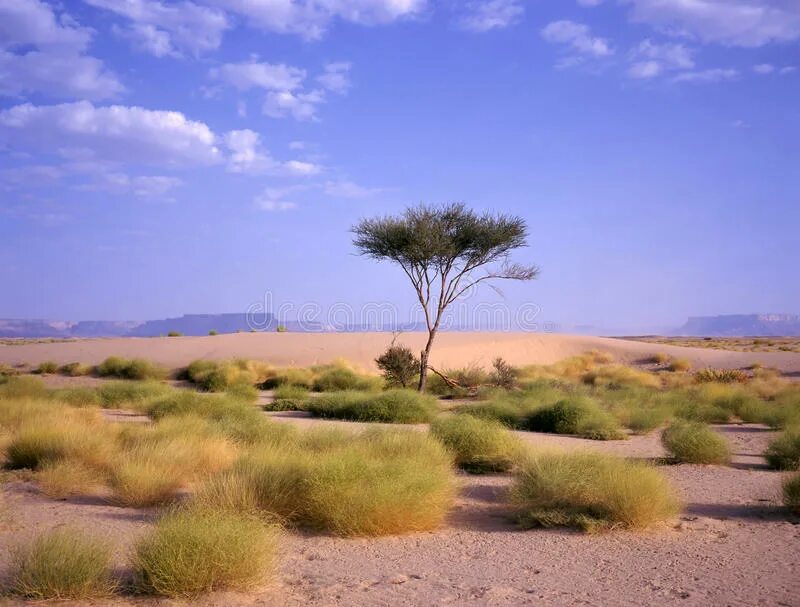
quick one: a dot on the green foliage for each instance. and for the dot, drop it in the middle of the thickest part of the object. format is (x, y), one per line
(399, 366)
(288, 398)
(393, 406)
(721, 376)
(62, 564)
(77, 397)
(219, 376)
(783, 453)
(334, 378)
(213, 332)
(190, 552)
(576, 415)
(126, 394)
(791, 494)
(23, 387)
(174, 334)
(590, 491)
(695, 443)
(479, 446)
(136, 368)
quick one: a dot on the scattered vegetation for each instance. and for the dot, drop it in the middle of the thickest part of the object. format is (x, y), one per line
(695, 443)
(219, 376)
(174, 334)
(783, 453)
(122, 368)
(46, 368)
(479, 446)
(791, 493)
(591, 492)
(288, 398)
(399, 365)
(130, 394)
(392, 406)
(193, 551)
(721, 376)
(679, 365)
(75, 369)
(62, 564)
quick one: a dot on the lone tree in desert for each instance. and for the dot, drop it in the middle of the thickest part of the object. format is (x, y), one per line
(445, 250)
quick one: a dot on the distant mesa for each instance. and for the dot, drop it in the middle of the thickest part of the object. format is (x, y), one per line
(734, 325)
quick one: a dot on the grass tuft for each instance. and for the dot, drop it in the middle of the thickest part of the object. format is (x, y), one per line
(695, 443)
(123, 368)
(393, 406)
(791, 493)
(479, 446)
(783, 453)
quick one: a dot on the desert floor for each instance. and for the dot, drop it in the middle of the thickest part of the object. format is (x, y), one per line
(451, 349)
(733, 544)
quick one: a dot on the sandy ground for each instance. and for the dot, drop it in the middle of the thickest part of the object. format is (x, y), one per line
(451, 349)
(732, 545)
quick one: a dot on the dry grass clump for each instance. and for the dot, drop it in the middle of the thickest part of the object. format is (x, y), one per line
(290, 376)
(620, 376)
(791, 493)
(61, 479)
(721, 376)
(479, 446)
(695, 443)
(375, 483)
(579, 415)
(77, 397)
(16, 387)
(136, 368)
(393, 406)
(62, 564)
(47, 367)
(590, 491)
(130, 393)
(190, 552)
(339, 376)
(679, 365)
(75, 369)
(783, 453)
(288, 397)
(218, 376)
(660, 358)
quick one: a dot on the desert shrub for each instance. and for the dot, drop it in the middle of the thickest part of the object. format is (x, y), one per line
(7, 371)
(783, 453)
(576, 415)
(174, 334)
(144, 480)
(47, 367)
(242, 392)
(192, 551)
(75, 369)
(218, 376)
(281, 329)
(619, 376)
(338, 378)
(791, 493)
(508, 412)
(695, 443)
(399, 366)
(375, 483)
(722, 376)
(60, 479)
(212, 333)
(644, 420)
(23, 387)
(288, 398)
(590, 491)
(61, 564)
(479, 446)
(135, 394)
(659, 358)
(122, 368)
(77, 397)
(303, 378)
(56, 439)
(393, 406)
(504, 375)
(679, 365)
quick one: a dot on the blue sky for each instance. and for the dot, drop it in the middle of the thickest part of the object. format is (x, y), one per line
(158, 158)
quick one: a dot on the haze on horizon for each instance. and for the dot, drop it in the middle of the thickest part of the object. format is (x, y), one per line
(157, 161)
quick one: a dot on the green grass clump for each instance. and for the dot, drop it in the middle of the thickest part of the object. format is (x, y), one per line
(130, 394)
(375, 483)
(590, 491)
(576, 415)
(791, 493)
(136, 368)
(77, 397)
(190, 552)
(783, 453)
(479, 446)
(291, 376)
(16, 387)
(335, 378)
(62, 564)
(393, 406)
(620, 376)
(38, 443)
(47, 367)
(695, 443)
(288, 398)
(219, 376)
(75, 369)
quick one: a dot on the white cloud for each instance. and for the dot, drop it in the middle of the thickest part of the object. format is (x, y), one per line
(253, 74)
(248, 156)
(590, 2)
(348, 189)
(651, 59)
(162, 28)
(56, 75)
(763, 68)
(141, 186)
(644, 69)
(336, 77)
(787, 70)
(41, 52)
(486, 15)
(708, 76)
(310, 18)
(301, 106)
(748, 23)
(114, 133)
(576, 36)
(274, 199)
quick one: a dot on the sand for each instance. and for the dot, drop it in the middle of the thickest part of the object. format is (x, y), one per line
(450, 350)
(732, 545)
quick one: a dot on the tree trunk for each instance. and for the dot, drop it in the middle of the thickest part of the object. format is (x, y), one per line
(423, 361)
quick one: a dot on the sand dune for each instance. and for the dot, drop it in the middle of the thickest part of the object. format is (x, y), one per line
(451, 349)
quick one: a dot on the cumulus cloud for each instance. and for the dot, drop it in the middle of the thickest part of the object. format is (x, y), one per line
(747, 23)
(577, 37)
(300, 106)
(347, 189)
(486, 15)
(708, 76)
(41, 52)
(651, 59)
(162, 28)
(248, 155)
(141, 186)
(336, 77)
(116, 132)
(253, 74)
(275, 199)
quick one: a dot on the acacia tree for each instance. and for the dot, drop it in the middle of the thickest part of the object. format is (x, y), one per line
(445, 250)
